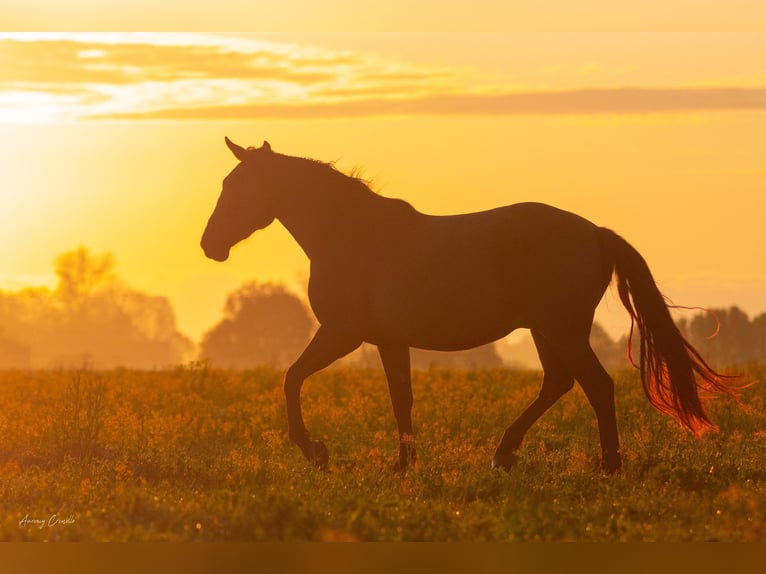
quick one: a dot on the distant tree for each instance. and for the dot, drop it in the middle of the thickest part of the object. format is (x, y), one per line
(733, 344)
(759, 338)
(91, 316)
(630, 350)
(611, 353)
(12, 353)
(109, 323)
(263, 324)
(82, 275)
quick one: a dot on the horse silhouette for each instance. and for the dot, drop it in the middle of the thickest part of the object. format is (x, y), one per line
(386, 274)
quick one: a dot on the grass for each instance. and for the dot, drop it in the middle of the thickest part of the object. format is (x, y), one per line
(200, 454)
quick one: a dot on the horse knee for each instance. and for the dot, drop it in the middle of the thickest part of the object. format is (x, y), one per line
(292, 389)
(555, 387)
(293, 382)
(599, 390)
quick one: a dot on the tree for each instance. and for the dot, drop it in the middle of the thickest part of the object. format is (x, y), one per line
(103, 320)
(91, 316)
(263, 324)
(724, 337)
(12, 353)
(81, 275)
(612, 354)
(759, 338)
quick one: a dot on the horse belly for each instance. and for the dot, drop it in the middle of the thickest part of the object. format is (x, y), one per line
(455, 331)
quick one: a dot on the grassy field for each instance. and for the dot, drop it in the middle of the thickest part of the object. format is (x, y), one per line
(201, 454)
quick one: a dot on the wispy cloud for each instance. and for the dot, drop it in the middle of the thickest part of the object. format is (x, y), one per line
(53, 77)
(78, 62)
(46, 77)
(607, 101)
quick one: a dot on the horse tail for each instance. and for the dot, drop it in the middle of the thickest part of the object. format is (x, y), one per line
(672, 370)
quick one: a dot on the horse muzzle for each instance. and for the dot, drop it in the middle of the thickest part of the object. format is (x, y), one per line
(219, 255)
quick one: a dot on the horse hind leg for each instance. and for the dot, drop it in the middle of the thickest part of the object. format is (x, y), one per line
(557, 381)
(599, 389)
(396, 363)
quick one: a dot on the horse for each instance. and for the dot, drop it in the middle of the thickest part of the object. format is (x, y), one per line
(383, 273)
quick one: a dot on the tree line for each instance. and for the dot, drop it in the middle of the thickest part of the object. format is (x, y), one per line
(93, 317)
(266, 324)
(725, 337)
(90, 317)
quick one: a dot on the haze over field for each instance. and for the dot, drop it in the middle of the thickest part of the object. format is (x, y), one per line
(150, 393)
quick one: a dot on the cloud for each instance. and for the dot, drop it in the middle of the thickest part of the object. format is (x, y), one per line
(59, 76)
(78, 62)
(117, 74)
(593, 101)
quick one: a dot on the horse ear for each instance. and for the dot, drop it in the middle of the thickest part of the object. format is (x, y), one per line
(266, 146)
(239, 152)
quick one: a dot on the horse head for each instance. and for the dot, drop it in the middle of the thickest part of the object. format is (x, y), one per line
(246, 203)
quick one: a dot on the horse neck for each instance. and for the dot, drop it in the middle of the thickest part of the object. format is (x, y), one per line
(322, 209)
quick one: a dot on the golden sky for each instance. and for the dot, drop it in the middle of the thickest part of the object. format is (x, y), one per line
(115, 141)
(392, 15)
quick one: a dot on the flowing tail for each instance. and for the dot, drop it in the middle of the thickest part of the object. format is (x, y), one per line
(668, 362)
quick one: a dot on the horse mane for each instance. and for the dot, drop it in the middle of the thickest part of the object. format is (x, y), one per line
(354, 177)
(329, 179)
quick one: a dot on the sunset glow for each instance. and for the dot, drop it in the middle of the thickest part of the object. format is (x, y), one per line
(114, 141)
(405, 271)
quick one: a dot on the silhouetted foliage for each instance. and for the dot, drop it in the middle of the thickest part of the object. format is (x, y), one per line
(83, 275)
(12, 353)
(611, 353)
(759, 338)
(724, 337)
(90, 317)
(263, 324)
(739, 340)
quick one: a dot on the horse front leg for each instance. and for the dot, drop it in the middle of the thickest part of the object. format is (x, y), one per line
(326, 346)
(396, 364)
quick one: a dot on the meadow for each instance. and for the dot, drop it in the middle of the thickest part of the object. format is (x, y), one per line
(195, 453)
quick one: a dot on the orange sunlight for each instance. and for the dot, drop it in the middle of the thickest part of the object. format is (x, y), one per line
(115, 142)
(382, 271)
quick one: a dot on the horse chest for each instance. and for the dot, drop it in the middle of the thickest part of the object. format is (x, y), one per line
(336, 293)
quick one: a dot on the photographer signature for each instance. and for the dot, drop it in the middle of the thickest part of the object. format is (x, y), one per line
(41, 523)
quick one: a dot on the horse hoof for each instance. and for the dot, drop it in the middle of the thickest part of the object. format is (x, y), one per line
(611, 465)
(610, 470)
(406, 458)
(318, 454)
(399, 466)
(504, 461)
